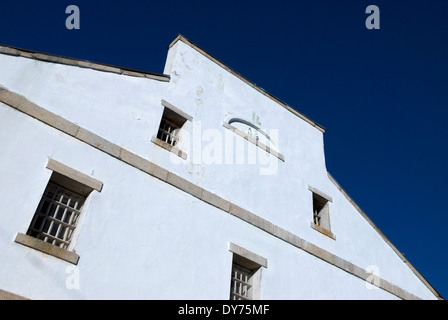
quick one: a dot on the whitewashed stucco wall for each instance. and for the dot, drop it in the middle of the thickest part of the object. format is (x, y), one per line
(142, 238)
(284, 197)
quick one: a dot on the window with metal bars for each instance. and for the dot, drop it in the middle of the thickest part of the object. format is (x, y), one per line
(316, 217)
(241, 283)
(57, 215)
(168, 132)
(245, 278)
(321, 215)
(169, 127)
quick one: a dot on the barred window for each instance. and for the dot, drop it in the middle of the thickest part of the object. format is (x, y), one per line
(245, 279)
(173, 130)
(321, 212)
(170, 126)
(55, 218)
(241, 283)
(168, 132)
(321, 216)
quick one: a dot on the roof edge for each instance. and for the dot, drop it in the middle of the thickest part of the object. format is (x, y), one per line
(53, 58)
(397, 252)
(180, 37)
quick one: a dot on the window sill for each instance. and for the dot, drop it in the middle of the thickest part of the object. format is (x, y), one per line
(47, 248)
(324, 231)
(169, 147)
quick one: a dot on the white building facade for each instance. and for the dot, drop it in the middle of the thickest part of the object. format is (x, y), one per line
(191, 184)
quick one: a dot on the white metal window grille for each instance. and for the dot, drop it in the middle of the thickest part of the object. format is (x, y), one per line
(168, 132)
(316, 217)
(55, 218)
(241, 283)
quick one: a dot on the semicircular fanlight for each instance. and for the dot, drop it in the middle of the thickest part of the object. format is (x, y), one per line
(251, 130)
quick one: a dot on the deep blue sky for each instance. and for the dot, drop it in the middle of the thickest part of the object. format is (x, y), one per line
(381, 94)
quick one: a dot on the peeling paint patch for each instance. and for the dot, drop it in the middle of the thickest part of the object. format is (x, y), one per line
(199, 91)
(197, 171)
(256, 118)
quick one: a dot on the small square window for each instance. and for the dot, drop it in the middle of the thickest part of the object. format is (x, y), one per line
(58, 212)
(321, 215)
(170, 126)
(245, 280)
(171, 133)
(53, 225)
(321, 212)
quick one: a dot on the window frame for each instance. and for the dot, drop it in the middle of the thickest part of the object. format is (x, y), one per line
(324, 213)
(86, 185)
(252, 264)
(48, 224)
(176, 149)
